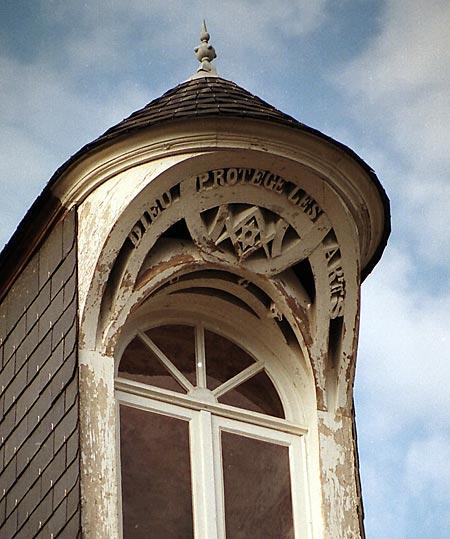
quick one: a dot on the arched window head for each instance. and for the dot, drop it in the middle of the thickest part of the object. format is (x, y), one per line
(205, 447)
(202, 364)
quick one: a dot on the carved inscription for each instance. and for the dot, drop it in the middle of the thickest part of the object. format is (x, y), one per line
(245, 228)
(151, 214)
(260, 178)
(336, 278)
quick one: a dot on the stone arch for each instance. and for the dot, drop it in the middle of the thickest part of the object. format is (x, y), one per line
(162, 201)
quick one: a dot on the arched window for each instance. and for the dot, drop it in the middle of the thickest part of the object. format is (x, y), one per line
(206, 446)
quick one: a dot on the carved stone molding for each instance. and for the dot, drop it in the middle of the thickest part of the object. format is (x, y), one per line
(250, 218)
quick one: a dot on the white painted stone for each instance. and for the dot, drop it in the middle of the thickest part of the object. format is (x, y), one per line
(135, 190)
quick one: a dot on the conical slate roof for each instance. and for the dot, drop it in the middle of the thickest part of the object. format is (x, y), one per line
(201, 98)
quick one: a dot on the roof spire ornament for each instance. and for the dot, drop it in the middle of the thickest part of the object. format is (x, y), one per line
(205, 54)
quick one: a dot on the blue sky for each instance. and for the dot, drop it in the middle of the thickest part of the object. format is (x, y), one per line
(374, 75)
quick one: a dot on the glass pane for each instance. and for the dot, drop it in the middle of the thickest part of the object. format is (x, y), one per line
(156, 475)
(257, 489)
(178, 343)
(257, 394)
(224, 359)
(138, 363)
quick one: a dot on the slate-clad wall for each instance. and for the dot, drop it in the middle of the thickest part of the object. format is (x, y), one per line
(39, 432)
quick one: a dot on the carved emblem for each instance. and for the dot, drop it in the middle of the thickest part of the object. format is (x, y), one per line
(247, 232)
(248, 229)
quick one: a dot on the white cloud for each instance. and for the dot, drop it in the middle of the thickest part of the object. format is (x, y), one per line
(387, 514)
(428, 198)
(408, 494)
(397, 89)
(411, 51)
(402, 401)
(428, 467)
(401, 83)
(399, 86)
(251, 26)
(24, 166)
(404, 348)
(45, 119)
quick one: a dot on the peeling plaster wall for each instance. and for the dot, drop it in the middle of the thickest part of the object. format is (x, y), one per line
(99, 482)
(98, 444)
(99, 212)
(39, 449)
(341, 499)
(111, 210)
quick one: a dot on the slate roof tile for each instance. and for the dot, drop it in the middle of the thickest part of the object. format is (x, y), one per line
(202, 97)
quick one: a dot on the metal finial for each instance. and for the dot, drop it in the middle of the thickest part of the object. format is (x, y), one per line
(205, 54)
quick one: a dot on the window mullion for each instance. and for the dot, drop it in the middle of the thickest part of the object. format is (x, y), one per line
(240, 378)
(200, 356)
(203, 477)
(299, 489)
(176, 373)
(219, 483)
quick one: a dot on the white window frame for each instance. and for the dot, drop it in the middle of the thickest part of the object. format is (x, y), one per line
(205, 427)
(206, 421)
